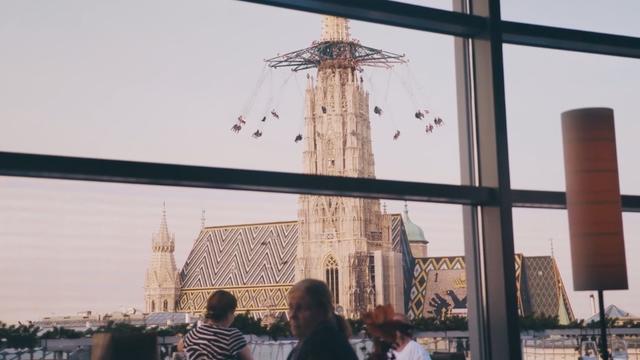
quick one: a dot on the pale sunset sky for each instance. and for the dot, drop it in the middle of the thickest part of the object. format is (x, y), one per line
(164, 81)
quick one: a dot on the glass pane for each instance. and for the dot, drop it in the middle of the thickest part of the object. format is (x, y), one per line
(592, 15)
(542, 237)
(99, 249)
(168, 83)
(562, 81)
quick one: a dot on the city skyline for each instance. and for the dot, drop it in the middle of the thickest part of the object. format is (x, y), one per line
(105, 121)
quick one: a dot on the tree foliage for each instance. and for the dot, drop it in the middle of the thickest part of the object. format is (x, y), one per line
(121, 328)
(249, 325)
(538, 322)
(59, 332)
(279, 329)
(172, 330)
(434, 324)
(19, 336)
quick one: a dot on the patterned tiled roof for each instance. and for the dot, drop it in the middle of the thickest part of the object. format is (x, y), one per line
(542, 287)
(439, 287)
(418, 301)
(254, 254)
(255, 262)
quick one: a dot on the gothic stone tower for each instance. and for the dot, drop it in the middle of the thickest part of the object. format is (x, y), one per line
(344, 241)
(162, 283)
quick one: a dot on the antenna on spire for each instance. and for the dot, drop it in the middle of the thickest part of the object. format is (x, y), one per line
(406, 208)
(163, 222)
(551, 245)
(384, 208)
(202, 219)
(335, 29)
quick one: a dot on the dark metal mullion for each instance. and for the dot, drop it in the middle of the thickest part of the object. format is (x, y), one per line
(572, 40)
(538, 199)
(73, 168)
(557, 200)
(459, 24)
(390, 13)
(496, 223)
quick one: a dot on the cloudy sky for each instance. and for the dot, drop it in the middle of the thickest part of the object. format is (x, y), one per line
(163, 82)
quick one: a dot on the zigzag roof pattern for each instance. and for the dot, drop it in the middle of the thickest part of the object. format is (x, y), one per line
(251, 254)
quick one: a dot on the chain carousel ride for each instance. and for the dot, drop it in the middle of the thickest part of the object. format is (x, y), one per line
(344, 52)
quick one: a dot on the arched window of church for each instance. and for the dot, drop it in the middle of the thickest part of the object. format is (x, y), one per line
(153, 306)
(165, 306)
(331, 277)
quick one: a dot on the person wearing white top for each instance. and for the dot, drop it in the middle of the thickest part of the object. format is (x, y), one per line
(405, 348)
(411, 350)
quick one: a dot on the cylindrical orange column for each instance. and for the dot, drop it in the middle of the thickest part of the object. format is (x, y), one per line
(593, 200)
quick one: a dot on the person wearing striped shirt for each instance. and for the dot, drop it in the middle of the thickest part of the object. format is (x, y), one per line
(214, 339)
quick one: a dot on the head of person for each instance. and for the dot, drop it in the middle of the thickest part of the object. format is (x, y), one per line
(221, 307)
(309, 305)
(404, 330)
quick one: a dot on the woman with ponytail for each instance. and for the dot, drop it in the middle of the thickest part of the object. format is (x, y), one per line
(214, 339)
(322, 334)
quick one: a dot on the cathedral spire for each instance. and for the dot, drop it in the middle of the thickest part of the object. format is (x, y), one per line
(163, 240)
(162, 283)
(335, 29)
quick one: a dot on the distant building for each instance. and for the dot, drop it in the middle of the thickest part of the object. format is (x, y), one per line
(439, 288)
(87, 320)
(614, 312)
(365, 255)
(417, 241)
(257, 263)
(162, 283)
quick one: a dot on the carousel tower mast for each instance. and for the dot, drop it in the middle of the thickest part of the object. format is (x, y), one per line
(339, 235)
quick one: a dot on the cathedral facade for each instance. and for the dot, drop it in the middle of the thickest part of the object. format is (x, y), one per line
(343, 241)
(366, 256)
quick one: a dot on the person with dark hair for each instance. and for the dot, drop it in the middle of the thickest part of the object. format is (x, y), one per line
(322, 334)
(405, 348)
(214, 339)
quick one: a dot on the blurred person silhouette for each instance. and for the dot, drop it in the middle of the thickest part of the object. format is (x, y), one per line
(322, 334)
(124, 346)
(404, 347)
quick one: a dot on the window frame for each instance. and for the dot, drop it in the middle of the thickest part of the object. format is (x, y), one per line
(485, 193)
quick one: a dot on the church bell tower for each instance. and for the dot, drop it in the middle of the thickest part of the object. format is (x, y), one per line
(162, 282)
(341, 238)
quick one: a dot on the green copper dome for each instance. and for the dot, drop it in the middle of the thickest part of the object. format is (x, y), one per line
(414, 232)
